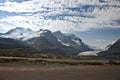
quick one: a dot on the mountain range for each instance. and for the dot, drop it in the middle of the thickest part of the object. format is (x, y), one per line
(43, 41)
(47, 42)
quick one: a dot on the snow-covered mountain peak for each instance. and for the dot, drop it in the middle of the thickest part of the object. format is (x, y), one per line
(25, 33)
(39, 33)
(18, 30)
(17, 33)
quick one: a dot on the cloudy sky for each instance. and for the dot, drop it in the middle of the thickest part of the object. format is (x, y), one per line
(88, 19)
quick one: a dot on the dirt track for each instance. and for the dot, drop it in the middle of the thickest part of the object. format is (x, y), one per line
(60, 73)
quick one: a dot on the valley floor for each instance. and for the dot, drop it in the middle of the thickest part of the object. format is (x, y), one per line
(79, 72)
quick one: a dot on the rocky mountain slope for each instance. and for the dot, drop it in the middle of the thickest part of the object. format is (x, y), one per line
(8, 43)
(113, 50)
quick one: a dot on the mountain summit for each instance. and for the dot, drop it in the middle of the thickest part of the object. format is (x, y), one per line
(18, 30)
(16, 33)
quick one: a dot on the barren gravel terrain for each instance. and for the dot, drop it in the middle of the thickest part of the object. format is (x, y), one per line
(33, 72)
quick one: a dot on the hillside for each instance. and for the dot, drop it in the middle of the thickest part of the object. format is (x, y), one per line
(113, 51)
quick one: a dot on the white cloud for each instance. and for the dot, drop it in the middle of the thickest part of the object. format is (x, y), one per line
(98, 15)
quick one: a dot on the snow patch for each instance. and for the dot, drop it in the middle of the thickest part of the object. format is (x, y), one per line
(65, 44)
(88, 53)
(33, 35)
(77, 42)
